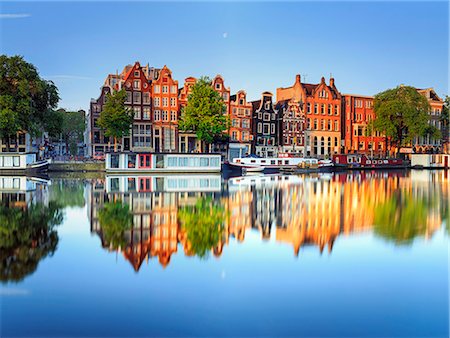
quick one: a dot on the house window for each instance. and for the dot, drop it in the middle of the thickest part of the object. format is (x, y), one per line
(218, 86)
(329, 125)
(336, 109)
(336, 126)
(165, 89)
(234, 135)
(266, 117)
(136, 84)
(146, 98)
(165, 115)
(315, 124)
(241, 101)
(128, 99)
(316, 108)
(157, 116)
(146, 113)
(267, 105)
(308, 108)
(137, 112)
(157, 89)
(225, 96)
(173, 89)
(156, 102)
(173, 102)
(165, 102)
(245, 136)
(323, 109)
(235, 123)
(322, 124)
(173, 115)
(266, 128)
(245, 123)
(260, 115)
(137, 97)
(329, 109)
(272, 128)
(259, 127)
(142, 135)
(136, 73)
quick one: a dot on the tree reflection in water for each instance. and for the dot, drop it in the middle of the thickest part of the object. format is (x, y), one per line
(203, 224)
(115, 218)
(26, 237)
(402, 217)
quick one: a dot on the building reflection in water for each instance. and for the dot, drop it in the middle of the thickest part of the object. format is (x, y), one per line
(300, 211)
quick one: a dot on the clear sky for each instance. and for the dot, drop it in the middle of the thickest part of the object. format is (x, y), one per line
(255, 46)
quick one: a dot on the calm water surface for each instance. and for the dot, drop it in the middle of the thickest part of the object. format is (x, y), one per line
(351, 255)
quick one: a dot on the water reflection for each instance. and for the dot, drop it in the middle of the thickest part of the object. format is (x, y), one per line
(27, 226)
(151, 217)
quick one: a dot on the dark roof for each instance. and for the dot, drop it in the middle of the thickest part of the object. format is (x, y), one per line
(281, 103)
(233, 97)
(256, 104)
(310, 88)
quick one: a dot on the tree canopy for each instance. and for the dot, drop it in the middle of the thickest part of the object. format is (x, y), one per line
(204, 112)
(445, 118)
(25, 98)
(69, 125)
(116, 118)
(402, 114)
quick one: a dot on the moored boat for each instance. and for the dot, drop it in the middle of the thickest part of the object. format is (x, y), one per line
(362, 161)
(135, 162)
(430, 161)
(272, 164)
(22, 163)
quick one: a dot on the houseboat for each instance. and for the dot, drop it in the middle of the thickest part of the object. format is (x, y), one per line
(362, 161)
(273, 164)
(430, 161)
(136, 183)
(22, 162)
(139, 162)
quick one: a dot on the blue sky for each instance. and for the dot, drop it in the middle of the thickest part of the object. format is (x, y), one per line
(256, 46)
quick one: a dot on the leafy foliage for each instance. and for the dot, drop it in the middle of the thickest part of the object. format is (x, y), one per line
(69, 125)
(115, 218)
(402, 114)
(204, 112)
(204, 225)
(116, 118)
(445, 118)
(26, 237)
(25, 98)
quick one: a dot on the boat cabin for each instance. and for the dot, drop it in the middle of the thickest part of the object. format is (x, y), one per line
(16, 161)
(162, 162)
(273, 162)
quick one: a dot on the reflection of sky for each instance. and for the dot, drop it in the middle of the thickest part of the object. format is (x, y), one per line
(365, 287)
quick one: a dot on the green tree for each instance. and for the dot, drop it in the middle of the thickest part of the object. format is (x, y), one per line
(115, 218)
(204, 225)
(116, 118)
(26, 237)
(402, 114)
(68, 126)
(204, 113)
(25, 98)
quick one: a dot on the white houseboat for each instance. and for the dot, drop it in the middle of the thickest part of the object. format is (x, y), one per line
(163, 183)
(134, 162)
(430, 161)
(22, 162)
(273, 163)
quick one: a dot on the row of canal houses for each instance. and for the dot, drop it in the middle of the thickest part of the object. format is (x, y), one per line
(305, 119)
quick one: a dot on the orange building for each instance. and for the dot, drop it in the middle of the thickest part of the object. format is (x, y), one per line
(165, 111)
(358, 136)
(240, 131)
(187, 141)
(322, 105)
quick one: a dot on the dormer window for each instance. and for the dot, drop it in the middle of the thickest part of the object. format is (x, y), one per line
(136, 84)
(241, 101)
(218, 86)
(136, 73)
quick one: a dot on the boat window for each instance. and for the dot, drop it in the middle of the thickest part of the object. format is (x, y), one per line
(183, 161)
(272, 161)
(114, 162)
(286, 161)
(280, 161)
(263, 161)
(204, 161)
(252, 161)
(159, 161)
(16, 161)
(172, 161)
(131, 161)
(215, 162)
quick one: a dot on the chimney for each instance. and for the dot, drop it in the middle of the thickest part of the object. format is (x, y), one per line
(322, 80)
(331, 81)
(297, 78)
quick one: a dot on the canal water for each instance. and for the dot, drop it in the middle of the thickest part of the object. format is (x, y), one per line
(363, 254)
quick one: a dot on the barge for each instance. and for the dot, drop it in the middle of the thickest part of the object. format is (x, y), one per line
(22, 163)
(146, 162)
